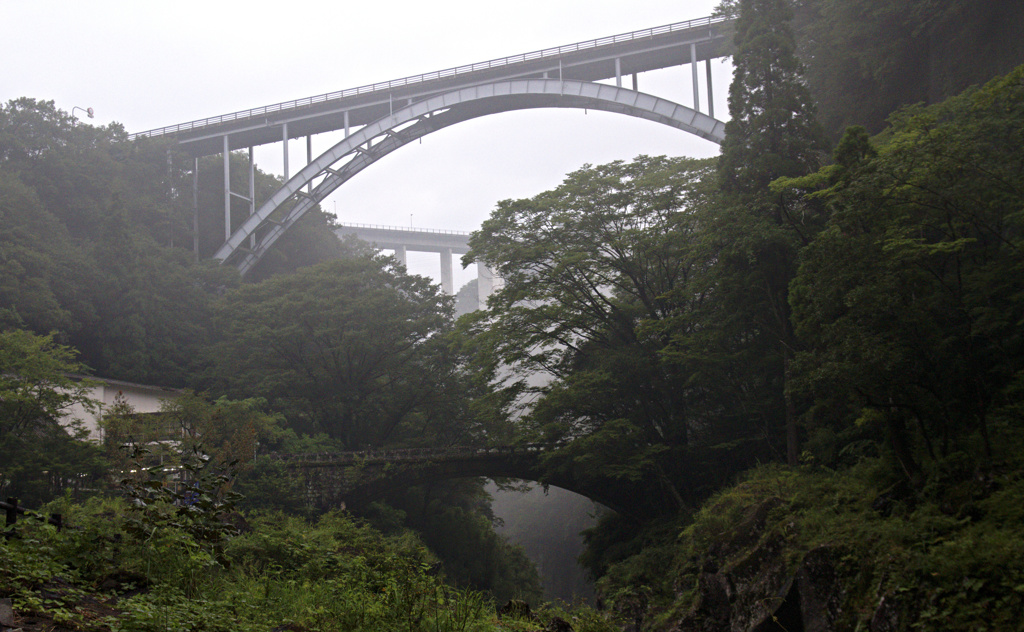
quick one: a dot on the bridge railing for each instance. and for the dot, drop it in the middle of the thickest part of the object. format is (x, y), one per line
(402, 229)
(431, 76)
(405, 454)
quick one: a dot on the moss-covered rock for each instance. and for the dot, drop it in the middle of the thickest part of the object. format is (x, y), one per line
(811, 549)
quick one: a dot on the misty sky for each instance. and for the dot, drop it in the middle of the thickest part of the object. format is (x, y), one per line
(155, 63)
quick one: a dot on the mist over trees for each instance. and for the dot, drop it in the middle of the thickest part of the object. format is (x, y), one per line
(868, 58)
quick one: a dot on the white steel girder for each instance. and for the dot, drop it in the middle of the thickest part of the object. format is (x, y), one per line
(437, 112)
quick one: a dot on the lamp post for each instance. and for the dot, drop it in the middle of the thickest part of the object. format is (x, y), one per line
(88, 112)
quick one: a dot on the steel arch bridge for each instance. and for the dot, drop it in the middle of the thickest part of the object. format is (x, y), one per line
(380, 138)
(392, 114)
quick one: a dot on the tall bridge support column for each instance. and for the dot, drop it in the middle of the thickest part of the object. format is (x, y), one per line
(195, 208)
(711, 94)
(252, 192)
(227, 189)
(402, 255)
(284, 141)
(309, 159)
(696, 85)
(484, 284)
(447, 276)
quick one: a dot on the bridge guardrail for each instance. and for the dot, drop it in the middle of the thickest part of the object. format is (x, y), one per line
(405, 454)
(402, 229)
(430, 76)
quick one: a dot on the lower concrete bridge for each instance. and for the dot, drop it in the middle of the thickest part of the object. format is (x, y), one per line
(355, 479)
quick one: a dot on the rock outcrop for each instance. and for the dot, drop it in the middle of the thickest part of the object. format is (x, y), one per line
(747, 584)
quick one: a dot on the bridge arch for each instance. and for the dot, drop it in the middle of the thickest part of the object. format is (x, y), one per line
(379, 138)
(361, 495)
(356, 479)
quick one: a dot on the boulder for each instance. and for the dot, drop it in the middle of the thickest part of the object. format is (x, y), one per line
(557, 624)
(6, 614)
(516, 609)
(821, 589)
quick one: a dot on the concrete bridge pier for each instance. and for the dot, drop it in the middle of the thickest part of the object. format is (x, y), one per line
(444, 242)
(447, 276)
(486, 283)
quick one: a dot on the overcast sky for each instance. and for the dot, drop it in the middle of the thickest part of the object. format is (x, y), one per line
(151, 63)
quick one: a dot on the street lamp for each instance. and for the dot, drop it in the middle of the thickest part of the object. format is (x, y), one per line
(88, 111)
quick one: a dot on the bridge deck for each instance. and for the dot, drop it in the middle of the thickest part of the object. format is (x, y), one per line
(592, 60)
(404, 455)
(414, 239)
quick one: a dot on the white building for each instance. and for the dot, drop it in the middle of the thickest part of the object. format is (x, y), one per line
(141, 397)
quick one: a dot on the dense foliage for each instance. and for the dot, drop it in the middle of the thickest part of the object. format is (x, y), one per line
(351, 348)
(42, 399)
(98, 246)
(910, 299)
(281, 572)
(873, 304)
(907, 308)
(860, 554)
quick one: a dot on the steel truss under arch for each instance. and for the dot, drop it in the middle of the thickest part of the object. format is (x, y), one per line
(375, 140)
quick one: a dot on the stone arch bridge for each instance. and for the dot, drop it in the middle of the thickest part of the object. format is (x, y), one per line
(355, 479)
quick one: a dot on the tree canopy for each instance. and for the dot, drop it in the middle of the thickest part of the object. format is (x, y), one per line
(350, 347)
(910, 299)
(773, 132)
(593, 271)
(41, 391)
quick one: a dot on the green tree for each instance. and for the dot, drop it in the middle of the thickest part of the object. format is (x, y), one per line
(351, 348)
(40, 437)
(44, 274)
(593, 270)
(152, 306)
(910, 300)
(37, 384)
(772, 133)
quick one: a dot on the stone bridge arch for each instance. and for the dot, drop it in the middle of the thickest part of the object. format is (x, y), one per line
(374, 141)
(355, 479)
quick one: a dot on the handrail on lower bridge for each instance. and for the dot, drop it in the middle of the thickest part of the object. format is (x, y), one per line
(407, 454)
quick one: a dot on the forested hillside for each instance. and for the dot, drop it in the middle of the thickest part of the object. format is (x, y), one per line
(97, 254)
(97, 245)
(851, 313)
(906, 373)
